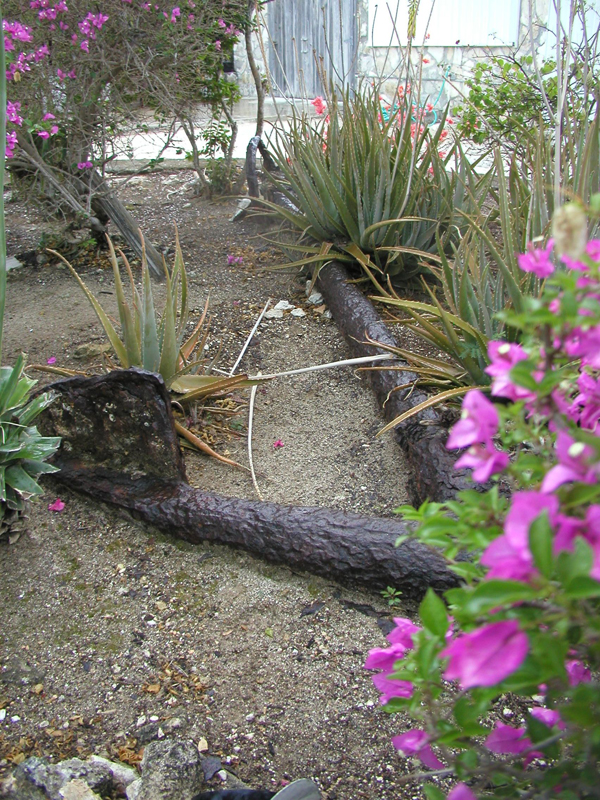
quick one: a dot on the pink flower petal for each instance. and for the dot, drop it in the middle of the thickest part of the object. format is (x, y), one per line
(57, 505)
(461, 792)
(384, 659)
(487, 655)
(504, 739)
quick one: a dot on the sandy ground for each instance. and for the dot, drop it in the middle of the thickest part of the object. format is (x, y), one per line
(111, 631)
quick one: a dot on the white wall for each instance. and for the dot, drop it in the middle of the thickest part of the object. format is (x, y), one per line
(446, 23)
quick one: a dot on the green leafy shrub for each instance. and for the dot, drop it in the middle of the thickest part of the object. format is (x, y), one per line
(505, 103)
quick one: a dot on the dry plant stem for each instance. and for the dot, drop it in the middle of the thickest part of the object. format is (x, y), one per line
(348, 362)
(249, 339)
(536, 65)
(250, 459)
(31, 156)
(197, 442)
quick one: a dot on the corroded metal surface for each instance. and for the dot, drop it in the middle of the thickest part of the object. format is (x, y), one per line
(422, 437)
(120, 446)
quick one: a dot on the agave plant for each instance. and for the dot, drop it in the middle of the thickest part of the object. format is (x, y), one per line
(23, 450)
(379, 190)
(160, 345)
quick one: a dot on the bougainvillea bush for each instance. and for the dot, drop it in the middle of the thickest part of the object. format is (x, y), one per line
(526, 619)
(78, 71)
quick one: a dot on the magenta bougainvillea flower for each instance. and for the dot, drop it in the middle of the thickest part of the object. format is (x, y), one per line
(478, 423)
(575, 463)
(593, 249)
(51, 360)
(569, 528)
(13, 113)
(403, 632)
(586, 405)
(389, 687)
(385, 658)
(503, 357)
(484, 462)
(549, 717)
(504, 739)
(487, 655)
(585, 344)
(577, 672)
(461, 792)
(509, 556)
(277, 444)
(416, 743)
(537, 260)
(57, 505)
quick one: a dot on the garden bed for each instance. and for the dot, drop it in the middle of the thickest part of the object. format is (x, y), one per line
(90, 594)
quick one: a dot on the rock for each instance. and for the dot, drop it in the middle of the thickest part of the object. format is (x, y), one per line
(13, 263)
(78, 790)
(210, 766)
(148, 732)
(242, 206)
(232, 782)
(298, 312)
(91, 350)
(19, 672)
(315, 299)
(170, 768)
(284, 305)
(133, 790)
(38, 779)
(274, 313)
(122, 775)
(173, 724)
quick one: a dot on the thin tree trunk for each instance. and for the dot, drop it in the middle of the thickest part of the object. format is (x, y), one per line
(72, 189)
(260, 89)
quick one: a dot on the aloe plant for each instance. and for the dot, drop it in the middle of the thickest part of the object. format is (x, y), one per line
(160, 344)
(378, 190)
(23, 450)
